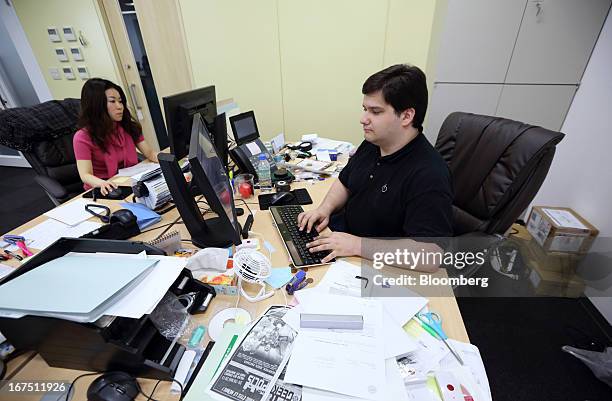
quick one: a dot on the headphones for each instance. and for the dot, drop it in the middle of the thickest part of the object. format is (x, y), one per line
(104, 215)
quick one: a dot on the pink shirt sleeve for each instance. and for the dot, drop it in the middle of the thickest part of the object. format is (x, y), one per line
(140, 139)
(83, 147)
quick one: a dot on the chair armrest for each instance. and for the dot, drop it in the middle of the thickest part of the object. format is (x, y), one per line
(52, 187)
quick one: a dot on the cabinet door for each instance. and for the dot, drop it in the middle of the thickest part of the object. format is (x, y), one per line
(543, 105)
(447, 98)
(477, 40)
(555, 40)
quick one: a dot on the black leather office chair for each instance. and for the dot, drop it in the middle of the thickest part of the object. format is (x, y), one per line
(43, 133)
(497, 167)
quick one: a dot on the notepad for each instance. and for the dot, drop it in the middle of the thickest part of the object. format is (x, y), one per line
(71, 213)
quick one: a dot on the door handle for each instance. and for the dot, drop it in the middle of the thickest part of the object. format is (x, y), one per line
(134, 96)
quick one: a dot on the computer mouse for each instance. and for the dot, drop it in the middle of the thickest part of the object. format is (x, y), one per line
(115, 193)
(282, 198)
(114, 386)
(124, 216)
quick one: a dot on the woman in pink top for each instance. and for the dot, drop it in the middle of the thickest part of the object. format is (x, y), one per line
(108, 135)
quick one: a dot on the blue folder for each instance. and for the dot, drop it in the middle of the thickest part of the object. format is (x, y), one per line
(145, 217)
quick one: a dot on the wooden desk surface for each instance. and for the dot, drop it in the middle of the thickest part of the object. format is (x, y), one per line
(37, 369)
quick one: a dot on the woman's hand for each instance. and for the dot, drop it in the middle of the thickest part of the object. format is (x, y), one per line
(106, 187)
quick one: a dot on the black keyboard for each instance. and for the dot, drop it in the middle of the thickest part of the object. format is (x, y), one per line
(285, 219)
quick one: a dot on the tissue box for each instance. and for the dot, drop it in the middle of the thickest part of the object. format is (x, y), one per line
(560, 229)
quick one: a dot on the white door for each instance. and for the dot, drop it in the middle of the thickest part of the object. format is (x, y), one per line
(9, 157)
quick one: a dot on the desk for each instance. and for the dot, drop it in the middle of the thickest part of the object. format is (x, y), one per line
(37, 369)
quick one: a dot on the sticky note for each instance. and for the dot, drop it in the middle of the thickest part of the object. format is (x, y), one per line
(279, 277)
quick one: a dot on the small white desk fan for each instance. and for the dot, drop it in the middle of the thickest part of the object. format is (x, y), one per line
(253, 267)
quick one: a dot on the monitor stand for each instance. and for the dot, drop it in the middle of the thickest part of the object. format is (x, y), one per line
(216, 235)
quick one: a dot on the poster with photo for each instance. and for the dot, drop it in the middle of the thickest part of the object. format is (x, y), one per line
(257, 362)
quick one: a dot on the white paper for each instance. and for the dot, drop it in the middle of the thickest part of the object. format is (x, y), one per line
(348, 362)
(323, 155)
(472, 370)
(5, 270)
(44, 234)
(137, 169)
(340, 279)
(397, 341)
(564, 218)
(144, 298)
(71, 213)
(394, 388)
(253, 148)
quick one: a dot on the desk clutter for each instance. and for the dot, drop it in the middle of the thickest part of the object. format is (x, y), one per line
(302, 352)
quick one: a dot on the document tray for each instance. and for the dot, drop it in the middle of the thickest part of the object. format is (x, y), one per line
(131, 345)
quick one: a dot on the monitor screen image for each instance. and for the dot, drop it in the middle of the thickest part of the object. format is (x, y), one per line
(204, 150)
(244, 127)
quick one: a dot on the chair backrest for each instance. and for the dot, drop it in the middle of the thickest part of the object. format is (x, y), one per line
(43, 133)
(497, 165)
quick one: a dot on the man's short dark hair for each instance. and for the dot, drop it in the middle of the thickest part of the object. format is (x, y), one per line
(403, 86)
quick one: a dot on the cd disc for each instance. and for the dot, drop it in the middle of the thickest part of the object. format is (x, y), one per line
(215, 327)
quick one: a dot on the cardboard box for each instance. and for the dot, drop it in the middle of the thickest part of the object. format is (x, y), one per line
(560, 229)
(552, 273)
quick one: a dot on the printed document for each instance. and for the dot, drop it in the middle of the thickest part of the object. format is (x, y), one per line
(348, 362)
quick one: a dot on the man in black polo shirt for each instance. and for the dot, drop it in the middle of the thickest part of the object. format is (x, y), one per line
(396, 184)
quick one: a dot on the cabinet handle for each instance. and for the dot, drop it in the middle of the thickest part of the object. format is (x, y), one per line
(539, 11)
(134, 97)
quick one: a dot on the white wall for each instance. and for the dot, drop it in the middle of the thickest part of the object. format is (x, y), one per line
(581, 173)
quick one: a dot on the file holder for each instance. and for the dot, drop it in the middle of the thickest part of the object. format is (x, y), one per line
(112, 343)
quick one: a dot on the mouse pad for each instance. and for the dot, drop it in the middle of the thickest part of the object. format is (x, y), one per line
(302, 197)
(125, 192)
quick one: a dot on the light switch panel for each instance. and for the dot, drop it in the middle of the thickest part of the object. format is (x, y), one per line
(83, 73)
(60, 52)
(77, 54)
(53, 34)
(68, 73)
(69, 34)
(55, 73)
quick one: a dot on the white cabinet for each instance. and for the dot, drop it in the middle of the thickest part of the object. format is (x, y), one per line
(472, 98)
(478, 39)
(555, 40)
(520, 59)
(544, 105)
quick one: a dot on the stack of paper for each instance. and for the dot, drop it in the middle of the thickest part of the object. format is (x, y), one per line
(392, 358)
(76, 288)
(82, 287)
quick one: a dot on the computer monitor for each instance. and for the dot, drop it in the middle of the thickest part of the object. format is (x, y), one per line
(180, 109)
(209, 175)
(244, 127)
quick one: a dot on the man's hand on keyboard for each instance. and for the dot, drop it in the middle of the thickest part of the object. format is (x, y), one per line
(340, 244)
(308, 219)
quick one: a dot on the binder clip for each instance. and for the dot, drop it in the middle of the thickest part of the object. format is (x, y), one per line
(297, 282)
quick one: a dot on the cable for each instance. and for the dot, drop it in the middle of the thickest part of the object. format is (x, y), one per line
(168, 228)
(150, 397)
(75, 380)
(162, 226)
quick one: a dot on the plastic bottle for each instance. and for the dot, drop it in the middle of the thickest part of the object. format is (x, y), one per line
(263, 174)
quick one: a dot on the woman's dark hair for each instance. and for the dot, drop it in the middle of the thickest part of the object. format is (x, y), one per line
(403, 87)
(94, 113)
